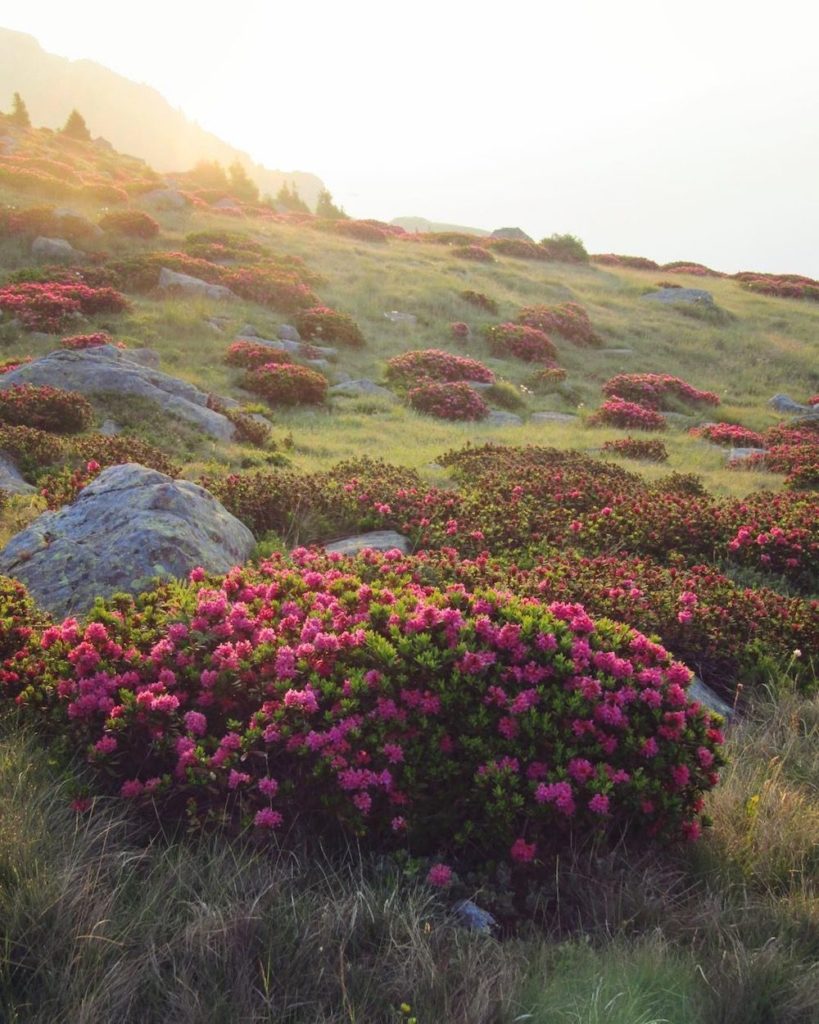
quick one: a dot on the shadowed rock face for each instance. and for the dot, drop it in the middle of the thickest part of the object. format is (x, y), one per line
(130, 525)
(106, 368)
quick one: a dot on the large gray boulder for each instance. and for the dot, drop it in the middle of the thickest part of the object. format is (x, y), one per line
(106, 368)
(183, 284)
(128, 526)
(55, 249)
(689, 296)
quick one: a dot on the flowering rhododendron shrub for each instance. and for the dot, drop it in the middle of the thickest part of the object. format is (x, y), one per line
(473, 252)
(448, 400)
(728, 633)
(569, 320)
(286, 384)
(634, 448)
(611, 259)
(813, 400)
(130, 223)
(614, 412)
(45, 408)
(442, 721)
(19, 617)
(730, 434)
(250, 354)
(30, 448)
(51, 306)
(785, 286)
(480, 301)
(654, 389)
(432, 364)
(325, 324)
(520, 342)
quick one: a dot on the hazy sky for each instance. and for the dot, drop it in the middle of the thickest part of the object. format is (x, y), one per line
(657, 129)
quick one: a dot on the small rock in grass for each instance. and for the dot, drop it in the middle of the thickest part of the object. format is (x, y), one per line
(698, 296)
(10, 479)
(58, 249)
(474, 918)
(553, 417)
(288, 333)
(497, 418)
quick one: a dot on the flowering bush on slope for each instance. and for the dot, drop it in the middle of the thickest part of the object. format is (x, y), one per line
(730, 434)
(614, 412)
(653, 389)
(448, 400)
(527, 343)
(301, 694)
(325, 324)
(250, 354)
(45, 408)
(432, 364)
(52, 306)
(286, 384)
(634, 448)
(570, 320)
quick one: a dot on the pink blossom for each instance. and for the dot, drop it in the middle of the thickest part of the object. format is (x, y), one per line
(522, 851)
(268, 818)
(599, 804)
(439, 875)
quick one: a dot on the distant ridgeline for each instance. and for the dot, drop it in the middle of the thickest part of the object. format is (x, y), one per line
(51, 86)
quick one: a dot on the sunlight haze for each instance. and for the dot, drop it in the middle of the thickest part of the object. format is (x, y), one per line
(656, 130)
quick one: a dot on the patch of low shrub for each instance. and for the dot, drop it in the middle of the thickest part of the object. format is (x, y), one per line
(530, 344)
(565, 249)
(19, 619)
(610, 259)
(321, 323)
(480, 301)
(130, 223)
(52, 306)
(286, 384)
(94, 340)
(432, 364)
(459, 330)
(569, 320)
(654, 389)
(615, 412)
(45, 408)
(250, 354)
(476, 253)
(634, 448)
(298, 693)
(448, 400)
(31, 448)
(731, 435)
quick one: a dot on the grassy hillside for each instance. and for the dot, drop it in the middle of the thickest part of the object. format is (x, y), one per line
(144, 911)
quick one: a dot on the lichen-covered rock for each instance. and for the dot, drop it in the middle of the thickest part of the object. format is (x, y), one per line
(377, 540)
(128, 526)
(54, 249)
(784, 403)
(184, 284)
(106, 368)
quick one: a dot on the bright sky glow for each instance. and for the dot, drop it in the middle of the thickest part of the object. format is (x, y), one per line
(663, 130)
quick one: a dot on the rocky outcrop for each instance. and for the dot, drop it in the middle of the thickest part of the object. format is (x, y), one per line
(10, 479)
(184, 284)
(109, 369)
(125, 528)
(54, 250)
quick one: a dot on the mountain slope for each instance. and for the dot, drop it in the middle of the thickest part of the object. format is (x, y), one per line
(51, 86)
